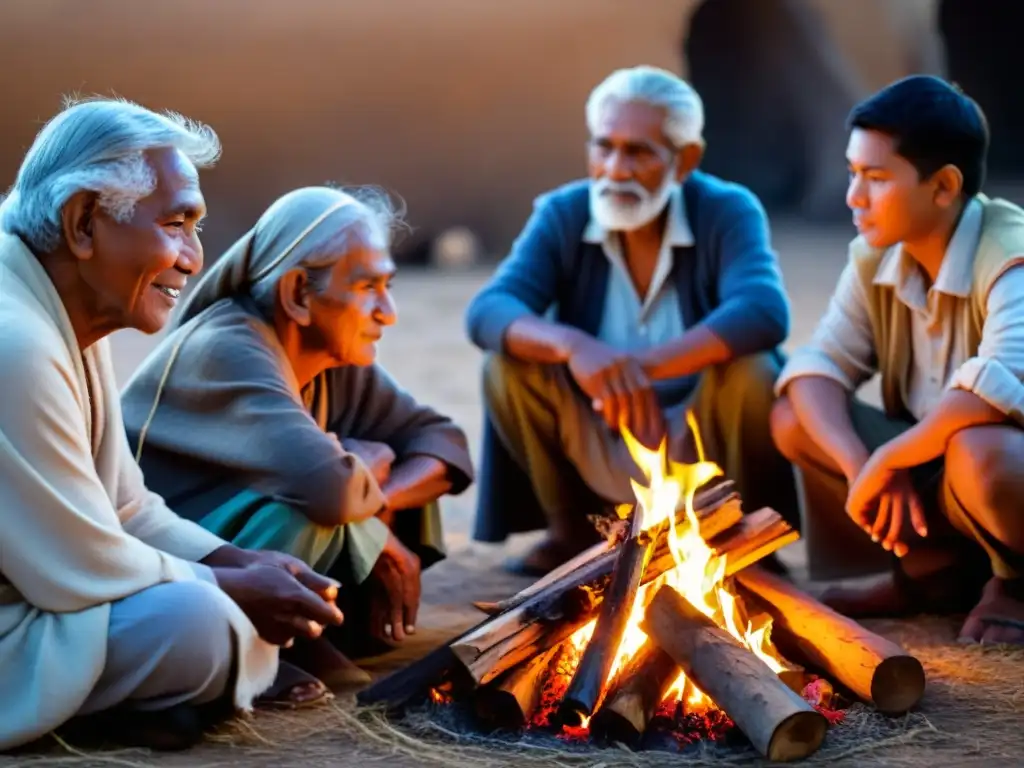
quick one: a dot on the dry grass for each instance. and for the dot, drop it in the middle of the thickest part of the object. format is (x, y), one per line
(972, 714)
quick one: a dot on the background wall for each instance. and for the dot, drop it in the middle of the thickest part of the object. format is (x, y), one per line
(467, 109)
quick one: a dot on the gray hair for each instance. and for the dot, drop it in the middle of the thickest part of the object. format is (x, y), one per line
(97, 145)
(684, 119)
(366, 216)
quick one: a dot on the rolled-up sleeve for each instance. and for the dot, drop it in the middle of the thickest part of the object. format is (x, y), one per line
(996, 373)
(843, 346)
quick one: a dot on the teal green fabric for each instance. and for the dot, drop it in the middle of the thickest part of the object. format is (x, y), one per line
(253, 521)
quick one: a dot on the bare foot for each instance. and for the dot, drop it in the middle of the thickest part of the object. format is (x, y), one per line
(999, 616)
(321, 659)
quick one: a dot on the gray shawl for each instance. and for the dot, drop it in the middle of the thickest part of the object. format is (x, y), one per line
(230, 417)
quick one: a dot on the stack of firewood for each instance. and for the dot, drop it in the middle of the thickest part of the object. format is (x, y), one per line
(506, 660)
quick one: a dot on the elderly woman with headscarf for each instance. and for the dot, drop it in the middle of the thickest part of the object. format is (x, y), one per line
(112, 608)
(264, 418)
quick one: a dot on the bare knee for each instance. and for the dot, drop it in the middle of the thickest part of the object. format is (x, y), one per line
(985, 470)
(787, 433)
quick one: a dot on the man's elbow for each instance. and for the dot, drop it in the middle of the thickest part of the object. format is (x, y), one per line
(774, 322)
(474, 319)
(483, 319)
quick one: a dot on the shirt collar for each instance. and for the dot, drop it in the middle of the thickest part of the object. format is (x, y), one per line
(956, 273)
(677, 228)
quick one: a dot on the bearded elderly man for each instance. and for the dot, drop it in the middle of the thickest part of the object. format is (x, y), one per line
(647, 290)
(110, 604)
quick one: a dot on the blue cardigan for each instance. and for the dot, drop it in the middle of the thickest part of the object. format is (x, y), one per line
(729, 280)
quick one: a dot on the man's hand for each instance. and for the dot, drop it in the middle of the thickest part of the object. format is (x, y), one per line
(396, 583)
(326, 587)
(377, 456)
(618, 388)
(278, 604)
(887, 494)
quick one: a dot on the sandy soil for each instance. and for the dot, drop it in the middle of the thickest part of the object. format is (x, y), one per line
(427, 351)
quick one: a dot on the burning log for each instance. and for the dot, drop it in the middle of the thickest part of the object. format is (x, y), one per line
(412, 681)
(634, 697)
(510, 702)
(616, 608)
(875, 669)
(717, 509)
(779, 724)
(554, 613)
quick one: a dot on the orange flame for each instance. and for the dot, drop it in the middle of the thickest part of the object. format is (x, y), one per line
(698, 575)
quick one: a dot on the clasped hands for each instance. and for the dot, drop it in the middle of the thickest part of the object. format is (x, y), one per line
(619, 389)
(883, 502)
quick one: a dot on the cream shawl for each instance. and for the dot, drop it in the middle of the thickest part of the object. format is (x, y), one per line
(78, 528)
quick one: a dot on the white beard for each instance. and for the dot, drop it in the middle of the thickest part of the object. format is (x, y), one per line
(617, 217)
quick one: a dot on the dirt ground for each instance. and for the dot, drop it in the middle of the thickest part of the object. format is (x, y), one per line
(975, 701)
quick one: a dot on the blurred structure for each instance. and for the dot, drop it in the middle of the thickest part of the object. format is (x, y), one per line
(468, 109)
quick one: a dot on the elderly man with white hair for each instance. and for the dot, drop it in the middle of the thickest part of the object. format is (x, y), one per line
(646, 290)
(111, 605)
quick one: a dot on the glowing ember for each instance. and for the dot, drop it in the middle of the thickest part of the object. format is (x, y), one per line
(442, 694)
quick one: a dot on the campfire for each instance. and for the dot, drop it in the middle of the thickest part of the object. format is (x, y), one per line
(668, 628)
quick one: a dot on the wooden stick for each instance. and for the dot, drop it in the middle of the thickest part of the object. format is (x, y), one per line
(588, 682)
(501, 642)
(403, 685)
(874, 668)
(634, 697)
(717, 509)
(779, 724)
(511, 701)
(492, 608)
(759, 534)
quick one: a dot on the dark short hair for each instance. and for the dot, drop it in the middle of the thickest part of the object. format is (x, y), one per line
(934, 124)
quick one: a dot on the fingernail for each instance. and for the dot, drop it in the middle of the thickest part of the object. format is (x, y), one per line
(290, 643)
(315, 629)
(874, 538)
(410, 629)
(886, 546)
(387, 630)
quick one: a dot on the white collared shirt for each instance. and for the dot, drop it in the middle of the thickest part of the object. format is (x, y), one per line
(629, 322)
(842, 347)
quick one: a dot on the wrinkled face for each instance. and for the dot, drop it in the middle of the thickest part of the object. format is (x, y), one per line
(890, 202)
(349, 317)
(631, 164)
(138, 268)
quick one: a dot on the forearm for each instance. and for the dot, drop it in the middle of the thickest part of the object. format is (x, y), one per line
(822, 408)
(928, 439)
(691, 353)
(535, 340)
(413, 484)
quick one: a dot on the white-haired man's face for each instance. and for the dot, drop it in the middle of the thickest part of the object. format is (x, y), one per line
(137, 269)
(633, 168)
